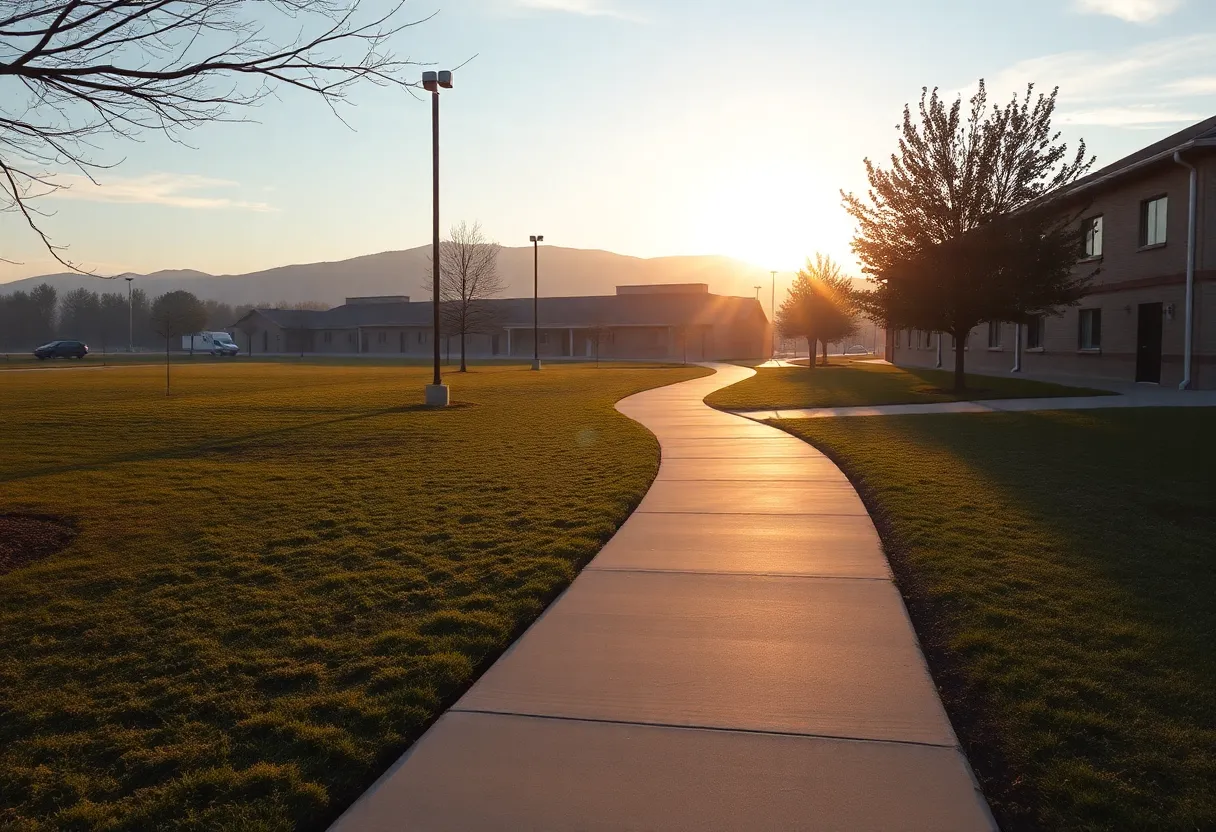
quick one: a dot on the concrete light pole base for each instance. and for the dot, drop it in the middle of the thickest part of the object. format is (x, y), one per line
(436, 395)
(536, 364)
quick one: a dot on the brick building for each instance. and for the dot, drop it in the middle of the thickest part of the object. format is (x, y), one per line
(665, 322)
(1151, 228)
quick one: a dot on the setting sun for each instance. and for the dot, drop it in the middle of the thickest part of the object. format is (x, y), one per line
(771, 215)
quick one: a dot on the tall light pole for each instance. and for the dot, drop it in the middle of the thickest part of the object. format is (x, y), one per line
(130, 318)
(436, 391)
(537, 239)
(772, 308)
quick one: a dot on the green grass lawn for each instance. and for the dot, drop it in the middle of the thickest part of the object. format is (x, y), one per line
(846, 383)
(282, 574)
(1061, 571)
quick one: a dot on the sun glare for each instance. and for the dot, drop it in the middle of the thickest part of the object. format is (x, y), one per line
(771, 218)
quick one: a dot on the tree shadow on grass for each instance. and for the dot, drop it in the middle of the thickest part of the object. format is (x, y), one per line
(1057, 567)
(226, 445)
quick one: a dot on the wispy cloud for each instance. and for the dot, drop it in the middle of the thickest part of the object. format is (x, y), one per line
(586, 8)
(1199, 85)
(1146, 85)
(179, 190)
(1133, 11)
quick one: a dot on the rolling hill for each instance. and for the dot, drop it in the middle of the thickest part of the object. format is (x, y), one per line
(564, 272)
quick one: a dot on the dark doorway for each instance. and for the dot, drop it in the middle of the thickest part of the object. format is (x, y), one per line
(1148, 343)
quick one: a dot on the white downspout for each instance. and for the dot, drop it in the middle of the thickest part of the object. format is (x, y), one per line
(1192, 209)
(1017, 349)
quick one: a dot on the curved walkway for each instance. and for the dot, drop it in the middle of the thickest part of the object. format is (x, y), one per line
(736, 658)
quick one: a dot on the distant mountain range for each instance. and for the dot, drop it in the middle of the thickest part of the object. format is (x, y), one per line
(564, 272)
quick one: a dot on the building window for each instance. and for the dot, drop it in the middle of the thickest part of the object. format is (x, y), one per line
(1152, 221)
(994, 335)
(421, 336)
(1093, 237)
(350, 337)
(544, 337)
(1034, 333)
(1091, 329)
(383, 338)
(327, 337)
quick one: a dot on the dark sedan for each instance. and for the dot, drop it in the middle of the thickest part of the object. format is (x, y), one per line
(62, 349)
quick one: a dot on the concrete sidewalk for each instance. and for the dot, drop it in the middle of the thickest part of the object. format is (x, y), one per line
(736, 658)
(1146, 398)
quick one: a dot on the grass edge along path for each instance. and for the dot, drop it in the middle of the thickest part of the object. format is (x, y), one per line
(1069, 630)
(845, 383)
(283, 574)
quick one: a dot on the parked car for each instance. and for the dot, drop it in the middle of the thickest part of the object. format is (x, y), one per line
(62, 349)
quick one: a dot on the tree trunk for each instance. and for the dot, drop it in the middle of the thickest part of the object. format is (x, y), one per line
(464, 367)
(960, 378)
(166, 365)
(812, 350)
(825, 353)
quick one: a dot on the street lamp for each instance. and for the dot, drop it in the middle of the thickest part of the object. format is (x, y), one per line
(432, 82)
(772, 308)
(537, 239)
(130, 318)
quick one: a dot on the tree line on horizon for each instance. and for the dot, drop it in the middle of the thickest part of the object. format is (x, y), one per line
(104, 320)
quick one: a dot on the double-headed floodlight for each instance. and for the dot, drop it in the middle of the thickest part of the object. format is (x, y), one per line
(433, 81)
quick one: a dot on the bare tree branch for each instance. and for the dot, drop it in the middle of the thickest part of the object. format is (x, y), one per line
(74, 73)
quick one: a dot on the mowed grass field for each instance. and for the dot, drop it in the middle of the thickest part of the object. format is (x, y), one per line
(1061, 570)
(282, 574)
(847, 383)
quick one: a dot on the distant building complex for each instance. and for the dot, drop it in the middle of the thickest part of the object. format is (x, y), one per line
(662, 322)
(1151, 228)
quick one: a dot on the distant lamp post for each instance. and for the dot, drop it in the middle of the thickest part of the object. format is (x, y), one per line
(772, 307)
(537, 239)
(432, 82)
(130, 318)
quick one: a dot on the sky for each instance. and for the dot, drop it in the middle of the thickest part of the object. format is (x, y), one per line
(645, 127)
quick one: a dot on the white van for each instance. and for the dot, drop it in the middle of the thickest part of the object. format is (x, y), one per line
(213, 343)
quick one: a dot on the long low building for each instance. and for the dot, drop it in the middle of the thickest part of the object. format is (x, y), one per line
(663, 322)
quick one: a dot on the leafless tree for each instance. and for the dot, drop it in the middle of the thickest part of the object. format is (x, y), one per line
(75, 74)
(468, 279)
(175, 314)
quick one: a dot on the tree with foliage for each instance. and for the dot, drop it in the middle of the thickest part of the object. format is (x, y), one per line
(112, 319)
(469, 278)
(961, 230)
(76, 76)
(820, 307)
(175, 314)
(79, 315)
